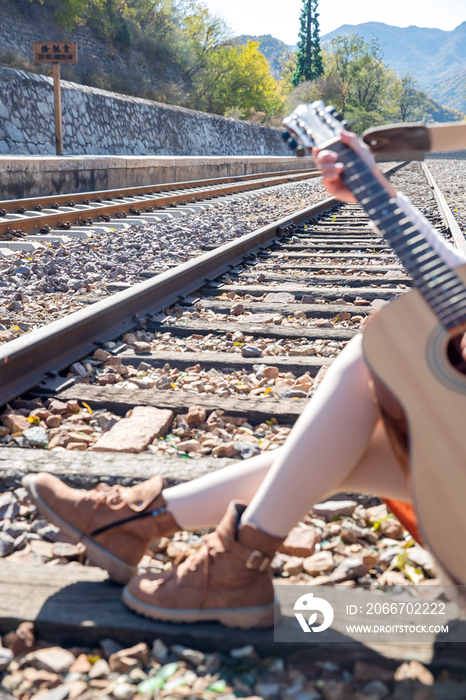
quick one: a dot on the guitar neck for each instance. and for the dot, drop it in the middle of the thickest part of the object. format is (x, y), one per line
(439, 285)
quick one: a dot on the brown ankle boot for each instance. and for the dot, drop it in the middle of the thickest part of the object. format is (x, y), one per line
(116, 524)
(227, 580)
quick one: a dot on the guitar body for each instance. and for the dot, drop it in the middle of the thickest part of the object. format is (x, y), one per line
(406, 349)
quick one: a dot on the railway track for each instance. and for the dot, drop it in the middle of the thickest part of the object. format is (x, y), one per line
(63, 212)
(240, 336)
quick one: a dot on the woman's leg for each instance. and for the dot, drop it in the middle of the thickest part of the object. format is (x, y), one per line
(203, 502)
(377, 472)
(332, 448)
(327, 442)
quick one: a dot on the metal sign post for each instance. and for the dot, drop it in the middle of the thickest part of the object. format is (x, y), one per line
(56, 53)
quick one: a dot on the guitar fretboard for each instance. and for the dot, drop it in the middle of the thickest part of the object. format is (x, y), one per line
(440, 286)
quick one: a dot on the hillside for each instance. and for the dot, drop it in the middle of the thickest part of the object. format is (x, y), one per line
(273, 49)
(173, 51)
(435, 57)
(435, 111)
(448, 90)
(402, 52)
(102, 63)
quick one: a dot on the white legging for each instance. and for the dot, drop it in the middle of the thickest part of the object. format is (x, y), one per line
(338, 444)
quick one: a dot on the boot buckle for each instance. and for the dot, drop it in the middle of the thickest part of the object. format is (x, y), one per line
(253, 564)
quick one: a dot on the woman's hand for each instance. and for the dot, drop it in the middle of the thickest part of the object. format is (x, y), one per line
(327, 162)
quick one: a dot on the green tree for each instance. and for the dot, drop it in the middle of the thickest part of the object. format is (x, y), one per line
(356, 81)
(154, 26)
(237, 80)
(67, 12)
(411, 101)
(156, 18)
(287, 64)
(202, 34)
(324, 88)
(367, 88)
(359, 68)
(309, 57)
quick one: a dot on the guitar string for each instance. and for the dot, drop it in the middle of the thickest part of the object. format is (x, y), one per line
(436, 291)
(444, 286)
(389, 215)
(430, 289)
(410, 241)
(444, 282)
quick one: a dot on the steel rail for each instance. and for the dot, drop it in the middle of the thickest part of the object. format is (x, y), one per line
(33, 221)
(11, 205)
(28, 360)
(446, 212)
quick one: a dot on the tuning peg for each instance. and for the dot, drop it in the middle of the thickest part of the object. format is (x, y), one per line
(331, 109)
(339, 116)
(286, 136)
(292, 144)
(300, 151)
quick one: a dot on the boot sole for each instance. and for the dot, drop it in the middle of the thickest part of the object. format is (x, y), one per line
(118, 570)
(262, 616)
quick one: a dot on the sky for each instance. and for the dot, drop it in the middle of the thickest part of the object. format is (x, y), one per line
(281, 19)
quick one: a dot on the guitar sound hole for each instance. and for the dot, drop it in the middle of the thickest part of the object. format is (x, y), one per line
(455, 355)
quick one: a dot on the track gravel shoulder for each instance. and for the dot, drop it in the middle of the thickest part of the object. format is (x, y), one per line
(51, 281)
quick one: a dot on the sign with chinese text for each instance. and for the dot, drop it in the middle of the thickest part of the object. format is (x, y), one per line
(55, 52)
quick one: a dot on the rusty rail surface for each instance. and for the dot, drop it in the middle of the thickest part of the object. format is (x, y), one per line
(33, 214)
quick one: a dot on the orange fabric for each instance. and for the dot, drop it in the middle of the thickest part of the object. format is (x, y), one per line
(397, 433)
(406, 515)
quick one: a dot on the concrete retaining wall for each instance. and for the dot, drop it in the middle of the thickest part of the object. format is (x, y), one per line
(29, 176)
(104, 123)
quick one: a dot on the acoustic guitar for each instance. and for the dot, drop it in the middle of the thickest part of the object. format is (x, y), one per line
(412, 348)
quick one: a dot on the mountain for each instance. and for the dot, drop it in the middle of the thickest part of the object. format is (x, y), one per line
(434, 111)
(273, 50)
(437, 58)
(451, 90)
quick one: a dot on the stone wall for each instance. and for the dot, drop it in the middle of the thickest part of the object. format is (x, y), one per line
(23, 22)
(98, 122)
(26, 176)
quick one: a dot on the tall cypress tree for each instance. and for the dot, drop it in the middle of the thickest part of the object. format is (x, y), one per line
(309, 57)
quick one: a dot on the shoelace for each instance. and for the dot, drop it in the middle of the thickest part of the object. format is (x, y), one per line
(204, 555)
(112, 496)
(116, 497)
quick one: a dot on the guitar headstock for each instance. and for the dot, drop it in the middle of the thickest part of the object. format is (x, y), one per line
(312, 125)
